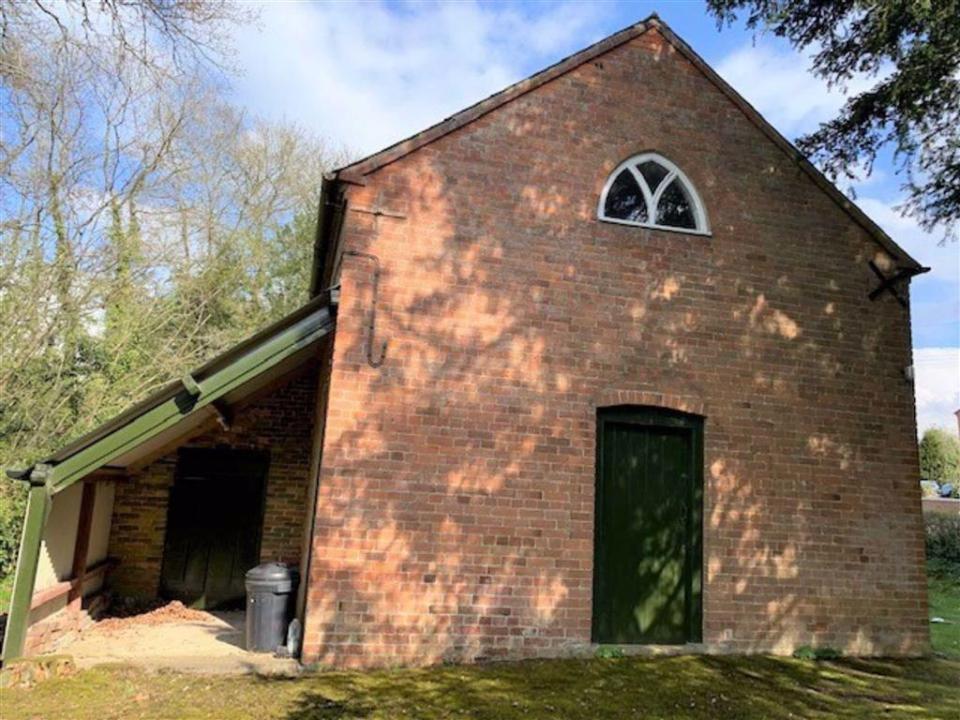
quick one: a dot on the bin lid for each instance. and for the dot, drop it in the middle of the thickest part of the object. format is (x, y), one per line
(272, 572)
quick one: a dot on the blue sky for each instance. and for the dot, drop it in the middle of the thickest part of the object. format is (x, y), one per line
(364, 75)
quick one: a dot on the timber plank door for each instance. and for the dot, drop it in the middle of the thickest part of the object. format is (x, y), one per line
(214, 525)
(648, 527)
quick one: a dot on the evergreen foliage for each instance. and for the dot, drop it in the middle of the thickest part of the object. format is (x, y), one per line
(940, 456)
(912, 50)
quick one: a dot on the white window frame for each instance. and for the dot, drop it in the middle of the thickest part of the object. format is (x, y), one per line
(673, 173)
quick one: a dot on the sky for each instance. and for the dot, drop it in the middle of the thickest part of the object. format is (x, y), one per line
(364, 75)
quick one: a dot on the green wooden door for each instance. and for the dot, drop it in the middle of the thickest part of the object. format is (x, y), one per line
(213, 526)
(648, 527)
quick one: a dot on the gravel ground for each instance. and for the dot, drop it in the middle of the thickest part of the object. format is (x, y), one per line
(175, 637)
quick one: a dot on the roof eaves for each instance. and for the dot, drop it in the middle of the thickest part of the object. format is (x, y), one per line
(172, 403)
(821, 180)
(354, 172)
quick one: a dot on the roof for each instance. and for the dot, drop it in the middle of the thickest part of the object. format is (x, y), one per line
(182, 406)
(355, 172)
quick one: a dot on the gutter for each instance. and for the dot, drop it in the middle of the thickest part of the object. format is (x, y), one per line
(23, 475)
(330, 215)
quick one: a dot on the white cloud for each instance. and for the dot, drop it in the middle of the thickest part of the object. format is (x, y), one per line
(937, 386)
(369, 75)
(780, 85)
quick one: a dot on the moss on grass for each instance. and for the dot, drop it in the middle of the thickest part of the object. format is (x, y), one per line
(676, 688)
(610, 688)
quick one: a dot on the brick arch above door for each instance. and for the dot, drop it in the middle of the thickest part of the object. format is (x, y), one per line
(688, 403)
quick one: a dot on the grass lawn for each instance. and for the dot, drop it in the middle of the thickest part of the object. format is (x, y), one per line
(710, 688)
(944, 598)
(683, 687)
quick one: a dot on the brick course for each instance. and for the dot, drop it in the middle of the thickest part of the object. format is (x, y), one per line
(455, 506)
(281, 422)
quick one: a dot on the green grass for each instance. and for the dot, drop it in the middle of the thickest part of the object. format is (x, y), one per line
(944, 598)
(678, 688)
(614, 687)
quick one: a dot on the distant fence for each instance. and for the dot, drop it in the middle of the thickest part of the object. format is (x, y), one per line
(944, 506)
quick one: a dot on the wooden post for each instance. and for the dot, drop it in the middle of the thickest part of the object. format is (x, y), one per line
(35, 518)
(82, 545)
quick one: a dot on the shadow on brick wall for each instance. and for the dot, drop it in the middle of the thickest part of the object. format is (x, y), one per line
(455, 514)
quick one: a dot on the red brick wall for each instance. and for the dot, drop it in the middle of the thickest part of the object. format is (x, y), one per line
(138, 526)
(944, 506)
(455, 511)
(281, 422)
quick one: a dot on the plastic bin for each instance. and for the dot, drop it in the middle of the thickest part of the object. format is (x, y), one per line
(271, 597)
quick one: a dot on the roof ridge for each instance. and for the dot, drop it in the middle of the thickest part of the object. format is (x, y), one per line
(355, 172)
(374, 161)
(791, 150)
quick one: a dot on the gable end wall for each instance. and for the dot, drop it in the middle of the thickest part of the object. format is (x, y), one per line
(455, 507)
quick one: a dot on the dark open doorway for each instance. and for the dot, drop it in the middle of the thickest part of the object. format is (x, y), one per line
(648, 538)
(213, 526)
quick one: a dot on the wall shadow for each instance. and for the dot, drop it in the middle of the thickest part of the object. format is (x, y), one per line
(455, 509)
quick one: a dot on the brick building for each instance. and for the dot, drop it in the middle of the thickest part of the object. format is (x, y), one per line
(600, 359)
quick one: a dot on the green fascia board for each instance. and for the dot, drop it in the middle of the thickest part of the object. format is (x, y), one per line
(168, 413)
(171, 389)
(35, 519)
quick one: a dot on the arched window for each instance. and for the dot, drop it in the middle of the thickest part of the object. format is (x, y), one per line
(650, 191)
